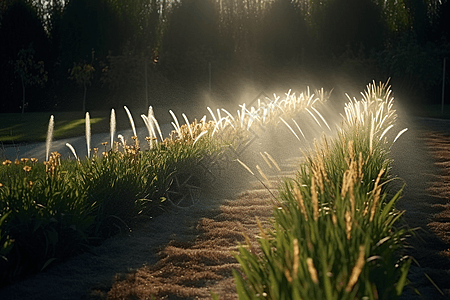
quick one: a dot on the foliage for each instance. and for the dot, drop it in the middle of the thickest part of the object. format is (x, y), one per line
(414, 65)
(29, 71)
(82, 74)
(333, 233)
(244, 38)
(51, 211)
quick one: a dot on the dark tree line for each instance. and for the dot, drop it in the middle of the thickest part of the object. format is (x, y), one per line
(91, 54)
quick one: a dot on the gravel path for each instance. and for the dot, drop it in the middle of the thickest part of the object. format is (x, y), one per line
(415, 165)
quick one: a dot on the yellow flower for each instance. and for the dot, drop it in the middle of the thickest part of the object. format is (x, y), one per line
(105, 143)
(27, 168)
(1, 184)
(17, 162)
(30, 183)
(33, 160)
(6, 162)
(24, 160)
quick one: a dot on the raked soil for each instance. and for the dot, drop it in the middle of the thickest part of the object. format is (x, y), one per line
(188, 252)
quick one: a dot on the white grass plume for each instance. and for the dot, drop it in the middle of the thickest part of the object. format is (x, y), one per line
(176, 125)
(199, 136)
(188, 125)
(112, 126)
(155, 122)
(320, 115)
(88, 134)
(298, 127)
(131, 120)
(73, 150)
(48, 141)
(399, 134)
(313, 116)
(292, 130)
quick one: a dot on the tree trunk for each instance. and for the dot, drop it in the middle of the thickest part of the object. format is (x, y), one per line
(23, 95)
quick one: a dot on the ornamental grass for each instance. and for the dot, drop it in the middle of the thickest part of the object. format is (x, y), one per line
(335, 233)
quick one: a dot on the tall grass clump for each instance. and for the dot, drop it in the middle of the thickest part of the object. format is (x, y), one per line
(52, 210)
(333, 234)
(44, 215)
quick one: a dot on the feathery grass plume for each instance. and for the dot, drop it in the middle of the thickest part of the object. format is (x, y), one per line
(356, 271)
(318, 167)
(360, 166)
(261, 229)
(385, 131)
(266, 160)
(288, 276)
(245, 166)
(320, 115)
(312, 115)
(346, 183)
(199, 136)
(273, 161)
(298, 196)
(292, 130)
(314, 199)
(334, 218)
(299, 129)
(188, 125)
(150, 112)
(263, 176)
(112, 126)
(296, 258)
(130, 117)
(348, 224)
(88, 135)
(372, 130)
(312, 270)
(399, 134)
(155, 122)
(150, 129)
(376, 195)
(48, 141)
(176, 125)
(73, 150)
(122, 140)
(212, 114)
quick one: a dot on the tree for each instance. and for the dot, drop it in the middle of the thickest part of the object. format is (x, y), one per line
(353, 25)
(285, 32)
(30, 71)
(82, 74)
(20, 27)
(192, 38)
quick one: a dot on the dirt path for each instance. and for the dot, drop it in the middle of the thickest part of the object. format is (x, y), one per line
(421, 158)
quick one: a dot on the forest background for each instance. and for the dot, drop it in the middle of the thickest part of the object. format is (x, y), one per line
(84, 55)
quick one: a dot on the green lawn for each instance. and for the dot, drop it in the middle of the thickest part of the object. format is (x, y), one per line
(32, 127)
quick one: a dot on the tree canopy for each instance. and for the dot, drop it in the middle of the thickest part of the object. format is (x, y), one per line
(160, 44)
